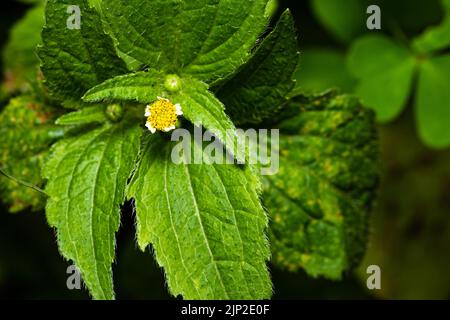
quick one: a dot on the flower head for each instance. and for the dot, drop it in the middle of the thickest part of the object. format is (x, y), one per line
(162, 115)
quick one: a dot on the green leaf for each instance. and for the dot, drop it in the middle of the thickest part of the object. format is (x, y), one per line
(75, 60)
(208, 39)
(261, 86)
(205, 223)
(202, 108)
(26, 132)
(432, 103)
(320, 69)
(86, 176)
(19, 57)
(320, 199)
(344, 19)
(385, 71)
(94, 114)
(436, 38)
(96, 4)
(142, 87)
(199, 105)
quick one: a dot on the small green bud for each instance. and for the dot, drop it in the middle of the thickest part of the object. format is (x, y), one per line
(114, 112)
(172, 83)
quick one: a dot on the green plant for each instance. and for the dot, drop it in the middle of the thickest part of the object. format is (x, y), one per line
(384, 67)
(206, 223)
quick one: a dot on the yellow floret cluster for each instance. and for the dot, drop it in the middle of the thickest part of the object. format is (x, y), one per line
(163, 115)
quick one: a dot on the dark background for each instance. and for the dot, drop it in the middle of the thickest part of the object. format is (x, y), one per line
(412, 250)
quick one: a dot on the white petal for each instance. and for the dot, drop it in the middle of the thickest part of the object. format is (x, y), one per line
(150, 127)
(169, 128)
(148, 113)
(178, 111)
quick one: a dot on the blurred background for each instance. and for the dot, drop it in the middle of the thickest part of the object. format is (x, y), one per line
(410, 225)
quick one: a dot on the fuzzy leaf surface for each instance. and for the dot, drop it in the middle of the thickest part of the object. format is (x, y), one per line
(320, 199)
(87, 175)
(260, 88)
(205, 223)
(76, 59)
(199, 105)
(26, 133)
(207, 39)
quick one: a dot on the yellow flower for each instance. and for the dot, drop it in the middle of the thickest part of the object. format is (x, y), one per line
(162, 115)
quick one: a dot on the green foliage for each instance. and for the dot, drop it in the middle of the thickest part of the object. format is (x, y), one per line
(205, 223)
(261, 88)
(87, 174)
(386, 66)
(206, 39)
(387, 91)
(433, 96)
(70, 62)
(202, 108)
(88, 115)
(199, 105)
(140, 87)
(26, 133)
(106, 155)
(321, 196)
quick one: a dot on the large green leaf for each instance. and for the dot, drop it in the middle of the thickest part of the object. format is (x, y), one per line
(320, 199)
(19, 56)
(199, 105)
(88, 115)
(385, 71)
(142, 87)
(26, 132)
(205, 38)
(433, 102)
(75, 60)
(205, 223)
(261, 86)
(86, 176)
